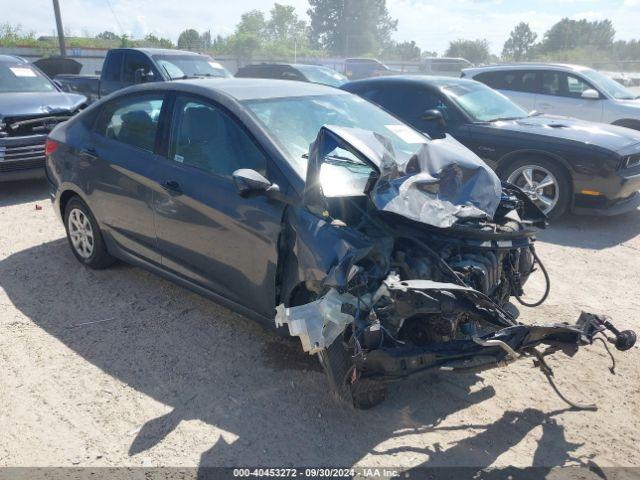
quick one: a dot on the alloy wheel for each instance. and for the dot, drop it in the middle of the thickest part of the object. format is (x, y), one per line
(81, 233)
(540, 185)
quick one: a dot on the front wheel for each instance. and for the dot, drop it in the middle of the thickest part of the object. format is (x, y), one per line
(362, 393)
(84, 235)
(546, 184)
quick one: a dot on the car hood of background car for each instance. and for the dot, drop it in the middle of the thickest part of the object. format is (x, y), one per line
(603, 135)
(38, 103)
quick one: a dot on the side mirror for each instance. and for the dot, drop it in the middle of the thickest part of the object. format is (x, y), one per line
(590, 94)
(140, 76)
(433, 115)
(249, 183)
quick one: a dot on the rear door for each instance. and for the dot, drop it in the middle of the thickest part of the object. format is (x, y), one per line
(561, 94)
(521, 86)
(206, 232)
(123, 170)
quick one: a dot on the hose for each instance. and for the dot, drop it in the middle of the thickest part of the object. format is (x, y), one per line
(548, 373)
(546, 279)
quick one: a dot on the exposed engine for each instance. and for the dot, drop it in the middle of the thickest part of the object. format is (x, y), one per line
(416, 274)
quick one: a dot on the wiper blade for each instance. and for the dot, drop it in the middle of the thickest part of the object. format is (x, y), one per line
(338, 158)
(504, 119)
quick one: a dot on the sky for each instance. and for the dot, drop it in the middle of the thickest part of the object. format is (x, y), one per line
(432, 24)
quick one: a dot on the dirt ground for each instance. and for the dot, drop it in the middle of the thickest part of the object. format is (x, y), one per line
(122, 368)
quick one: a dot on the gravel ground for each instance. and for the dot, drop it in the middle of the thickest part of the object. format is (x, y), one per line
(122, 368)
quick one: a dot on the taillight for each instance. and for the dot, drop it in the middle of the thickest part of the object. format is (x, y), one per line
(50, 146)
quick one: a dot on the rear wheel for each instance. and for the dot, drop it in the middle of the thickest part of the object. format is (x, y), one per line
(546, 184)
(84, 235)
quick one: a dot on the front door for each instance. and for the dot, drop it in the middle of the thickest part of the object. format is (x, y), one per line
(561, 94)
(206, 232)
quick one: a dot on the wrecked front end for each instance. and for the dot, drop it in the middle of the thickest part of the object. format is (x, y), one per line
(411, 265)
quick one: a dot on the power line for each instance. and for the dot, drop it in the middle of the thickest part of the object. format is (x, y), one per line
(115, 17)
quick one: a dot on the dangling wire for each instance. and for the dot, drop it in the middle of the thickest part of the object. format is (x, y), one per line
(547, 280)
(548, 373)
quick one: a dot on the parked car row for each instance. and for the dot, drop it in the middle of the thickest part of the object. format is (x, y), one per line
(561, 163)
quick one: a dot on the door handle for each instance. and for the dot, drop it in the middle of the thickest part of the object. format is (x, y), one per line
(171, 186)
(89, 152)
(545, 105)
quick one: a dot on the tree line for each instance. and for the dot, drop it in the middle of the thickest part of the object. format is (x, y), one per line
(345, 28)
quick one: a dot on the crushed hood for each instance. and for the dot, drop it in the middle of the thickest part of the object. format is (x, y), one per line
(439, 184)
(25, 104)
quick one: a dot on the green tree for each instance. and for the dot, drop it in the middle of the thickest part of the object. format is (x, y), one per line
(13, 35)
(107, 35)
(153, 41)
(284, 25)
(402, 51)
(568, 34)
(520, 43)
(476, 51)
(350, 27)
(252, 23)
(189, 40)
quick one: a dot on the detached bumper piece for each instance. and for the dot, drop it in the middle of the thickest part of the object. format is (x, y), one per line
(495, 349)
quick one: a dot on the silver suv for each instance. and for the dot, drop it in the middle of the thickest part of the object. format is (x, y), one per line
(567, 90)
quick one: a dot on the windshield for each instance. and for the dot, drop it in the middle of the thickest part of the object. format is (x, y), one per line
(294, 123)
(20, 77)
(189, 66)
(483, 104)
(322, 75)
(608, 85)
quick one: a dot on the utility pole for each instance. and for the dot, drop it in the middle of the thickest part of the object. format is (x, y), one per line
(56, 11)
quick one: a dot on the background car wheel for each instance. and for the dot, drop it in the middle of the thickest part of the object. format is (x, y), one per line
(546, 184)
(85, 238)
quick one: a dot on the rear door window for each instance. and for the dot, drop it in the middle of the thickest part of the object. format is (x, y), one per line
(131, 120)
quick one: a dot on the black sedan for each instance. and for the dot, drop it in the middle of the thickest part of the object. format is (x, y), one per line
(560, 163)
(293, 71)
(386, 253)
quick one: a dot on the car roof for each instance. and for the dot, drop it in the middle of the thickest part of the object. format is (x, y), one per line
(161, 51)
(277, 64)
(426, 80)
(241, 89)
(527, 66)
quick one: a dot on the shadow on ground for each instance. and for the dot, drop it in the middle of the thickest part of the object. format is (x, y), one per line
(13, 193)
(592, 232)
(218, 367)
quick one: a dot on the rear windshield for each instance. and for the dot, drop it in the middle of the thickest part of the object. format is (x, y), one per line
(323, 75)
(21, 77)
(190, 66)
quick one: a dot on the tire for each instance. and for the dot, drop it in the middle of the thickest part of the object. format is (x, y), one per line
(541, 169)
(84, 236)
(363, 393)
